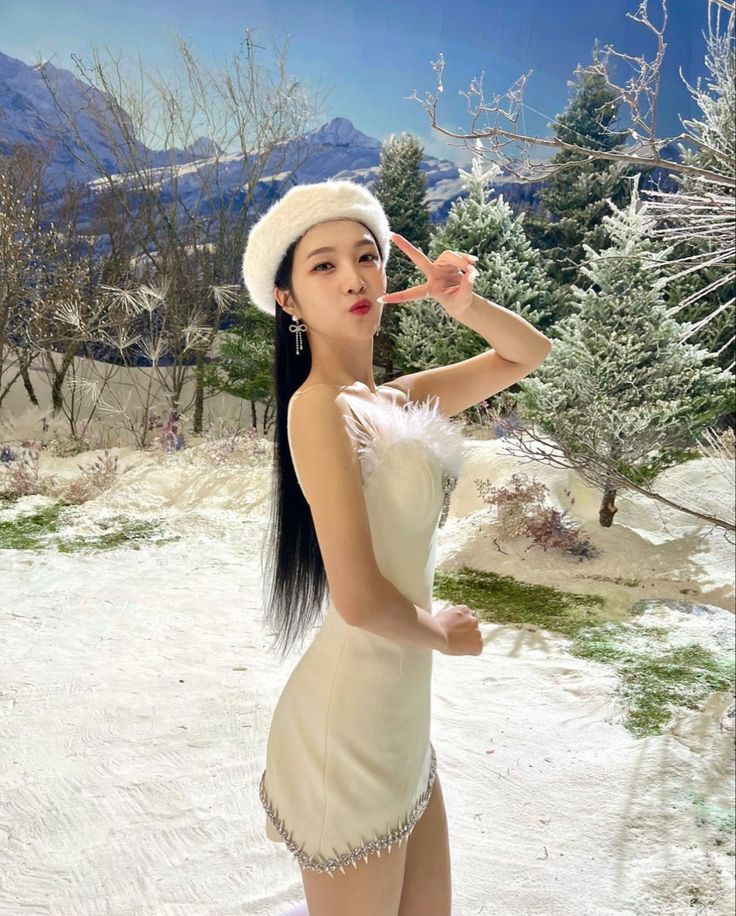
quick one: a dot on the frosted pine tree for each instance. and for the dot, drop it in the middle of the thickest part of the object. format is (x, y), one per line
(619, 384)
(575, 196)
(401, 188)
(510, 272)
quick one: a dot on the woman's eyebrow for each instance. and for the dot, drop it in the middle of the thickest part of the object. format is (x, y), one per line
(327, 249)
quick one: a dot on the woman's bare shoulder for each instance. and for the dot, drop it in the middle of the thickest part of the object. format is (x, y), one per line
(347, 394)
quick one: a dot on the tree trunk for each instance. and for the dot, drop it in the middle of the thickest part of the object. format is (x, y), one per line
(607, 509)
(198, 395)
(57, 397)
(28, 385)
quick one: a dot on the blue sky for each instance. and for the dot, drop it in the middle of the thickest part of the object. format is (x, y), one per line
(369, 56)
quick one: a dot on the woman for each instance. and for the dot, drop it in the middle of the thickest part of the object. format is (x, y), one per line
(361, 473)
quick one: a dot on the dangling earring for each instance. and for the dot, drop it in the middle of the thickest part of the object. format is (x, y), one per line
(297, 329)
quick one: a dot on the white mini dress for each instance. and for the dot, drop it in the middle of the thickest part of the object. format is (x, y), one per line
(349, 761)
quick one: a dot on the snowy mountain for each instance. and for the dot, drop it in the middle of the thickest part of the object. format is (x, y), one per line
(339, 150)
(335, 150)
(29, 115)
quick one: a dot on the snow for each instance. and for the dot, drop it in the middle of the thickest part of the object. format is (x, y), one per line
(137, 689)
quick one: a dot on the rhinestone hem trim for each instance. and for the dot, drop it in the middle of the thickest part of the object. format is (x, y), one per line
(385, 841)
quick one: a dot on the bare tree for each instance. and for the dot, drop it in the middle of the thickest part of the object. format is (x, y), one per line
(698, 214)
(645, 151)
(16, 234)
(217, 133)
(143, 319)
(43, 271)
(174, 193)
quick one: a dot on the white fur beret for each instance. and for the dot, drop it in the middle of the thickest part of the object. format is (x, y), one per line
(302, 207)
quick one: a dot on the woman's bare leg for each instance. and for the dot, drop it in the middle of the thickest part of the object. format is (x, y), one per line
(371, 889)
(427, 889)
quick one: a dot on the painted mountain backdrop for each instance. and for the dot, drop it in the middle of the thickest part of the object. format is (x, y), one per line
(335, 150)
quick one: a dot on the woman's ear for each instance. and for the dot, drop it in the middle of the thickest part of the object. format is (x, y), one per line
(280, 296)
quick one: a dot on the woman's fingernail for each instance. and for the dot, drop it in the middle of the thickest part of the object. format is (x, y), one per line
(380, 299)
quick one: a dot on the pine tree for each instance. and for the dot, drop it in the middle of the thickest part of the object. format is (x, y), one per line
(243, 364)
(574, 201)
(618, 384)
(401, 187)
(510, 272)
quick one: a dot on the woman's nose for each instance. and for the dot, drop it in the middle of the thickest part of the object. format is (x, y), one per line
(355, 281)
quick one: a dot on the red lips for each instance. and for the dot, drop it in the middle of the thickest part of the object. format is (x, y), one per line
(363, 304)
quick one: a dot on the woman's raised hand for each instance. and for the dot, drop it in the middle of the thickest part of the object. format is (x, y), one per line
(449, 279)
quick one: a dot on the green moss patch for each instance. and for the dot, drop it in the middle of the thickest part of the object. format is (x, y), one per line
(656, 677)
(41, 530)
(503, 599)
(30, 532)
(712, 814)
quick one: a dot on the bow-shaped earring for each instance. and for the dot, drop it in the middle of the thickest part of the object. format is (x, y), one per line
(297, 329)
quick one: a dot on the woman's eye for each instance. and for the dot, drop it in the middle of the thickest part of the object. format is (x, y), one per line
(367, 255)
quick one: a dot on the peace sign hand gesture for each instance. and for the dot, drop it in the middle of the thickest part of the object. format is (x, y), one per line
(449, 279)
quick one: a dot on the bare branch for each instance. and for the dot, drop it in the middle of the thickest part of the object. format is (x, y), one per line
(644, 151)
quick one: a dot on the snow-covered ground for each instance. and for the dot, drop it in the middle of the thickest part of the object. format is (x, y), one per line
(136, 692)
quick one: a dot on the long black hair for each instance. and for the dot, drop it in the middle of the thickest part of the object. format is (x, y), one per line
(294, 578)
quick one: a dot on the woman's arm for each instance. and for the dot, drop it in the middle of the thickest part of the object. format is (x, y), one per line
(392, 615)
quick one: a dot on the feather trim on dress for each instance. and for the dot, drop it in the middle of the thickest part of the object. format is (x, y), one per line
(383, 424)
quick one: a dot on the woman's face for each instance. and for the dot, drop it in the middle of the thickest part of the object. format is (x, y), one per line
(327, 283)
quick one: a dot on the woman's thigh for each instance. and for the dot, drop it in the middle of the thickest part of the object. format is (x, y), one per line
(373, 888)
(427, 889)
